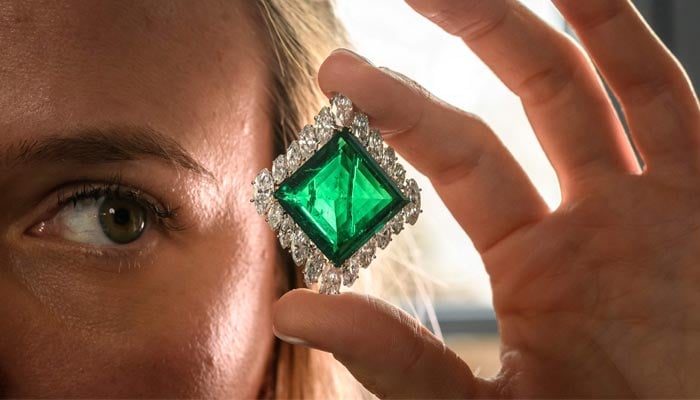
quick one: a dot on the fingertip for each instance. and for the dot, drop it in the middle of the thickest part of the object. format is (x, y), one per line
(355, 56)
(337, 67)
(286, 305)
(305, 317)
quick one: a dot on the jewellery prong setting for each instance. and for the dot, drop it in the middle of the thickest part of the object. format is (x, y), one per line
(291, 196)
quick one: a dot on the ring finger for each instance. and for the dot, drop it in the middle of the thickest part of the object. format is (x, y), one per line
(562, 94)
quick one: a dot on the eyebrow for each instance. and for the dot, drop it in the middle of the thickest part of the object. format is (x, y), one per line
(100, 145)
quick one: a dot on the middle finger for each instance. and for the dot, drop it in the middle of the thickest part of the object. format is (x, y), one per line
(563, 96)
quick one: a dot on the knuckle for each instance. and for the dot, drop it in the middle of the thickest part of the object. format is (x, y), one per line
(471, 20)
(553, 79)
(472, 156)
(598, 15)
(474, 30)
(545, 85)
(645, 92)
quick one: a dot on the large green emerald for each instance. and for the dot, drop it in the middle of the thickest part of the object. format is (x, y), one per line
(340, 197)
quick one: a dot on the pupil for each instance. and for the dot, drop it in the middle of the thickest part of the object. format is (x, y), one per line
(122, 220)
(121, 216)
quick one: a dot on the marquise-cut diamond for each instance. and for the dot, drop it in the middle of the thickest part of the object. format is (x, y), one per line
(275, 215)
(314, 266)
(293, 156)
(351, 269)
(262, 191)
(329, 281)
(307, 142)
(413, 208)
(398, 173)
(383, 237)
(286, 231)
(388, 158)
(341, 107)
(307, 132)
(324, 125)
(340, 197)
(300, 248)
(374, 144)
(366, 253)
(279, 169)
(396, 223)
(360, 127)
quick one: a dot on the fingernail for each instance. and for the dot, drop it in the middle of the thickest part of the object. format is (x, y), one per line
(353, 54)
(289, 339)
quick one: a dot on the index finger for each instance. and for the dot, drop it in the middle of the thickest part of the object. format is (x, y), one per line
(471, 170)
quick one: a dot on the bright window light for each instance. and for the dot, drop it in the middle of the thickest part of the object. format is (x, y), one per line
(391, 34)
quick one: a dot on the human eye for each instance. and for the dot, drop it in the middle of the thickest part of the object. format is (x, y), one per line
(105, 214)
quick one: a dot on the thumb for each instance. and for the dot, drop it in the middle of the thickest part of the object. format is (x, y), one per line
(384, 348)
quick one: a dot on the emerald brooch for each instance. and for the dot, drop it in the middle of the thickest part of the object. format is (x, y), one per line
(336, 195)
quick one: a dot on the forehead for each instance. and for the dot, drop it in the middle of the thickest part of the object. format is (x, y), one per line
(174, 64)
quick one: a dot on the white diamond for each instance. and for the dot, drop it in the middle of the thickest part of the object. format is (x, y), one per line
(324, 125)
(399, 173)
(275, 215)
(413, 208)
(307, 132)
(307, 142)
(341, 107)
(396, 223)
(262, 191)
(279, 169)
(313, 269)
(329, 281)
(388, 158)
(383, 237)
(293, 156)
(374, 144)
(360, 127)
(351, 270)
(300, 247)
(307, 147)
(286, 231)
(366, 253)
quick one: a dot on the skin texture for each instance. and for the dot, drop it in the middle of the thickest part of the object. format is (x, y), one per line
(598, 298)
(175, 313)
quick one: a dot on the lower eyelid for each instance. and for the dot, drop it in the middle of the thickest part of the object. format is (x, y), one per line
(142, 247)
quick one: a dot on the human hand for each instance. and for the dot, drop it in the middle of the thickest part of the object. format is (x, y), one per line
(599, 298)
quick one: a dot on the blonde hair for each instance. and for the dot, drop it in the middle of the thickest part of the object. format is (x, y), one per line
(301, 34)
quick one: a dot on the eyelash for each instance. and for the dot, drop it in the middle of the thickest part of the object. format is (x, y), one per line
(164, 215)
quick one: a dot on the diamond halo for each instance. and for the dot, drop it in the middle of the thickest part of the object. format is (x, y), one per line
(337, 194)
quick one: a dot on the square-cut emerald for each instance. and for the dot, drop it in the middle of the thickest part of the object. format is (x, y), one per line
(340, 197)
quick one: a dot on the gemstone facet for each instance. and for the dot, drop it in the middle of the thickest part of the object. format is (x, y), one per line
(340, 197)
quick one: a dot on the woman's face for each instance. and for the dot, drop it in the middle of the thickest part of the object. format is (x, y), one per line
(131, 261)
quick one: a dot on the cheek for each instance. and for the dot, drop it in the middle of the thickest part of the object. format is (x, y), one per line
(196, 322)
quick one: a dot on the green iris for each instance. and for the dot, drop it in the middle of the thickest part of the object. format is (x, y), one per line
(122, 220)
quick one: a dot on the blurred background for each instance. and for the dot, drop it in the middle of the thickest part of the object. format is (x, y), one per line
(390, 34)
